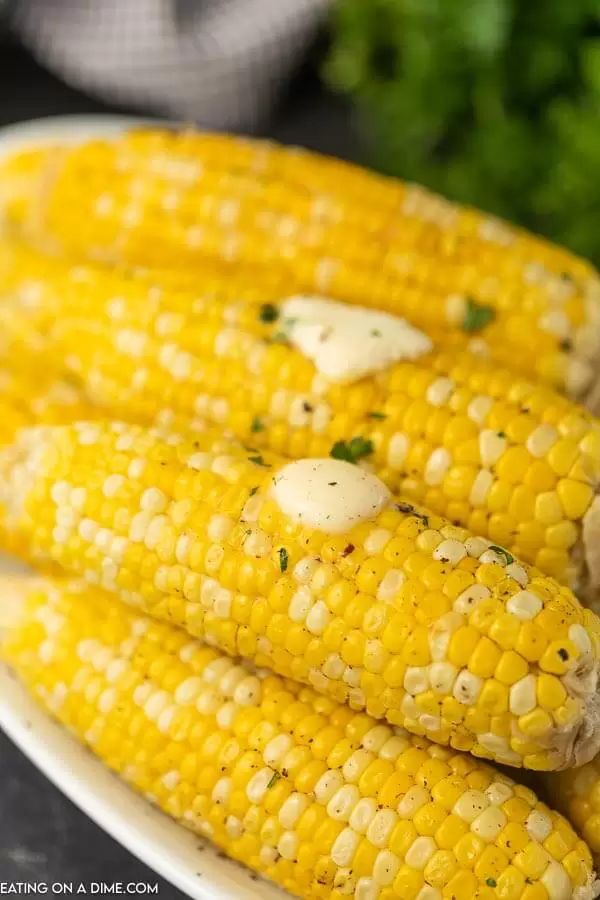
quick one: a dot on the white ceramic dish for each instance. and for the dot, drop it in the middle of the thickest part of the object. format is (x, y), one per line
(190, 864)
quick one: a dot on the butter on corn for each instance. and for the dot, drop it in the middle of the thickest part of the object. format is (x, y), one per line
(506, 458)
(292, 221)
(326, 802)
(403, 614)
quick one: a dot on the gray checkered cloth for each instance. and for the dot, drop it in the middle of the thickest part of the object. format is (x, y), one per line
(218, 62)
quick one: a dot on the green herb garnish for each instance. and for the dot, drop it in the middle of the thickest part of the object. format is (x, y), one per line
(274, 779)
(491, 882)
(253, 491)
(259, 461)
(257, 425)
(508, 559)
(353, 450)
(283, 558)
(268, 313)
(376, 415)
(476, 316)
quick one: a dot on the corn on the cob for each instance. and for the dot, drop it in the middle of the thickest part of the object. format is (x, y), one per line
(508, 459)
(324, 801)
(398, 612)
(293, 221)
(577, 794)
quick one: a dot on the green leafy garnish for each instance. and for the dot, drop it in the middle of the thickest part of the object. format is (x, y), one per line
(274, 779)
(257, 425)
(253, 491)
(508, 559)
(283, 558)
(280, 337)
(353, 450)
(491, 882)
(259, 461)
(268, 313)
(476, 316)
(376, 415)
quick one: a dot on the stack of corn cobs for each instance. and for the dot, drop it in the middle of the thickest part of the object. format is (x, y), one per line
(308, 464)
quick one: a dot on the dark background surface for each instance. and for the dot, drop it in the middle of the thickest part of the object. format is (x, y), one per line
(43, 837)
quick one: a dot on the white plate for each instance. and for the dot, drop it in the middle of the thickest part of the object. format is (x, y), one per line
(178, 856)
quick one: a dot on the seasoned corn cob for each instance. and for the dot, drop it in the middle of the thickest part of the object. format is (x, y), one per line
(291, 221)
(577, 793)
(324, 801)
(371, 601)
(508, 459)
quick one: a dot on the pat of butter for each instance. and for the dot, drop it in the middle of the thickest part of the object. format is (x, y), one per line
(328, 494)
(347, 343)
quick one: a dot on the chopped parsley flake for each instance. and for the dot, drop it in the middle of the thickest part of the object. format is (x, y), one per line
(257, 425)
(476, 316)
(491, 882)
(375, 332)
(274, 779)
(259, 461)
(268, 313)
(253, 491)
(376, 415)
(508, 559)
(283, 558)
(353, 450)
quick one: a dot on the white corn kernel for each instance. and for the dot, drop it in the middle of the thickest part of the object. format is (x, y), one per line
(523, 696)
(397, 450)
(343, 802)
(390, 584)
(557, 882)
(381, 827)
(413, 800)
(538, 825)
(470, 805)
(385, 867)
(489, 824)
(481, 487)
(344, 847)
(467, 687)
(292, 808)
(363, 814)
(439, 391)
(437, 465)
(329, 782)
(376, 541)
(541, 440)
(420, 852)
(524, 605)
(451, 551)
(491, 447)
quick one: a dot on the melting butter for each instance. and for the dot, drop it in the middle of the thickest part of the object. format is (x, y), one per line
(347, 343)
(328, 494)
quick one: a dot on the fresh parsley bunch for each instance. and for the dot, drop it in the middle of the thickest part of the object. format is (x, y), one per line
(495, 103)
